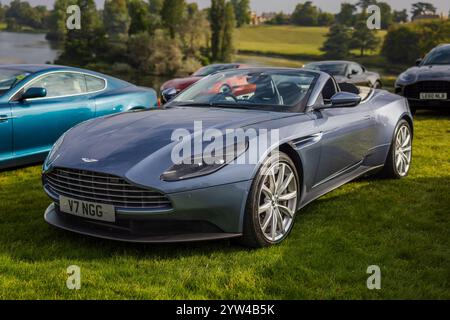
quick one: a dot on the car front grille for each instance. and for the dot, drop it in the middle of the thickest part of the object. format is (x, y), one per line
(103, 188)
(413, 91)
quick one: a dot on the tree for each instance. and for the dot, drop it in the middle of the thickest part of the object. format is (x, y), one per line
(421, 8)
(242, 12)
(172, 15)
(279, 19)
(217, 21)
(155, 6)
(305, 14)
(2, 12)
(400, 45)
(139, 13)
(337, 43)
(57, 21)
(116, 20)
(21, 13)
(228, 30)
(364, 4)
(154, 54)
(387, 17)
(405, 43)
(195, 33)
(400, 16)
(222, 21)
(363, 38)
(346, 15)
(325, 19)
(88, 43)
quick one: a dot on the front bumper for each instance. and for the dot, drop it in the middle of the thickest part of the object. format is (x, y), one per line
(416, 103)
(197, 215)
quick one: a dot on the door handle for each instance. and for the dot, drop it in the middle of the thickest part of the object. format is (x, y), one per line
(368, 117)
(4, 118)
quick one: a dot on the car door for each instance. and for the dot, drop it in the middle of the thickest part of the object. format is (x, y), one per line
(348, 134)
(5, 131)
(39, 122)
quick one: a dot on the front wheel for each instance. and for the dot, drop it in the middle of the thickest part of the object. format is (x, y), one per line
(272, 202)
(399, 158)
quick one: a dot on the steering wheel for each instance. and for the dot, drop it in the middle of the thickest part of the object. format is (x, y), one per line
(226, 91)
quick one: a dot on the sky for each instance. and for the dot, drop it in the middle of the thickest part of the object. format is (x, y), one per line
(289, 5)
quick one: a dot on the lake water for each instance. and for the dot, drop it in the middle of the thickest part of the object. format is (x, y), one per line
(18, 47)
(33, 48)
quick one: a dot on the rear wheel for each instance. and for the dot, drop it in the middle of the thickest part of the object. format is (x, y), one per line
(272, 202)
(399, 158)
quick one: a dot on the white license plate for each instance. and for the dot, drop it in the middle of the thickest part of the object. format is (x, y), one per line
(433, 96)
(85, 209)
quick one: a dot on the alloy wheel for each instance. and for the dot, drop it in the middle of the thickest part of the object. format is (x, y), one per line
(277, 201)
(403, 148)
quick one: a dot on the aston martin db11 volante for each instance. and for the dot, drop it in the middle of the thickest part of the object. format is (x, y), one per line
(133, 177)
(348, 72)
(427, 85)
(38, 103)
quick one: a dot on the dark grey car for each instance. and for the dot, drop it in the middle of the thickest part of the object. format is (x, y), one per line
(427, 85)
(348, 72)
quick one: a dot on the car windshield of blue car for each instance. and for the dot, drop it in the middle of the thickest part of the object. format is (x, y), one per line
(439, 56)
(10, 77)
(334, 69)
(250, 89)
(206, 71)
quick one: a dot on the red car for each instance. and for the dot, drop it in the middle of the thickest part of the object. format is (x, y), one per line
(182, 83)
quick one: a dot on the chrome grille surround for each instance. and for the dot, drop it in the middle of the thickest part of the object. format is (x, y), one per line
(103, 188)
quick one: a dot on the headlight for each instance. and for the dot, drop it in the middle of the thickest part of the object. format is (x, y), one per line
(201, 165)
(407, 77)
(53, 155)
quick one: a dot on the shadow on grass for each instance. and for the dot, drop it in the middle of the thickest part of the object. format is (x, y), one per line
(26, 237)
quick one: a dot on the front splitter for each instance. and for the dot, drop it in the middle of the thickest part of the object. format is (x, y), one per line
(52, 218)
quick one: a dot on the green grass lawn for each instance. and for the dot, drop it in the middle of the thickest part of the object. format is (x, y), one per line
(402, 226)
(289, 41)
(286, 40)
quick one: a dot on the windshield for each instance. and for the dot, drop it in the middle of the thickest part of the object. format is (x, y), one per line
(253, 89)
(438, 56)
(335, 69)
(9, 78)
(206, 71)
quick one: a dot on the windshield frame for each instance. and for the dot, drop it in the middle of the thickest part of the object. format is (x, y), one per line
(216, 68)
(18, 72)
(316, 67)
(297, 108)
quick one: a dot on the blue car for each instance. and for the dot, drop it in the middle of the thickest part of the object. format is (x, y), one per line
(236, 155)
(38, 103)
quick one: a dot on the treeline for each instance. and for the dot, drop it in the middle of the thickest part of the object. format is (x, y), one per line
(161, 37)
(407, 42)
(306, 14)
(21, 16)
(404, 42)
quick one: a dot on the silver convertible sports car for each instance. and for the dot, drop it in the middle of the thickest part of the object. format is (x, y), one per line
(237, 155)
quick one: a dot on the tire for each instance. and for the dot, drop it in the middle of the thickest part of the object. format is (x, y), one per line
(277, 207)
(392, 169)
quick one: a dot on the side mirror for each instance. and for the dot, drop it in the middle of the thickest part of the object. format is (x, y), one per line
(34, 92)
(168, 94)
(418, 61)
(345, 100)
